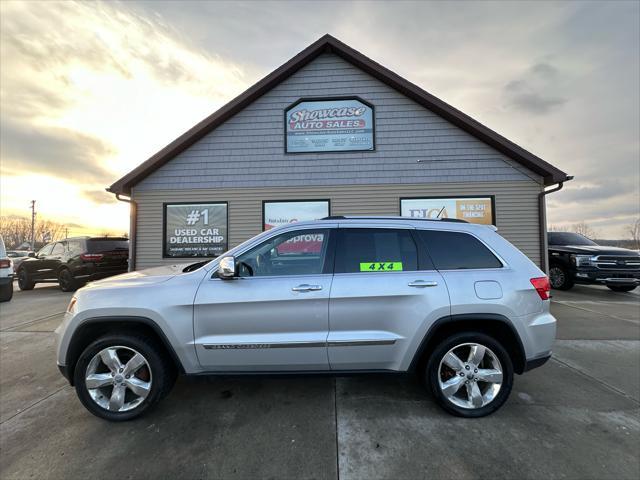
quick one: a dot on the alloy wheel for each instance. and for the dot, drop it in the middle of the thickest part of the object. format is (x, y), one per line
(470, 375)
(556, 277)
(118, 378)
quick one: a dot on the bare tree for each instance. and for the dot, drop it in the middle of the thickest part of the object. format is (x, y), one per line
(584, 229)
(556, 228)
(634, 231)
(17, 230)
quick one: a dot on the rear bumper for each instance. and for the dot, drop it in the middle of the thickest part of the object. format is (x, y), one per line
(98, 275)
(532, 363)
(6, 280)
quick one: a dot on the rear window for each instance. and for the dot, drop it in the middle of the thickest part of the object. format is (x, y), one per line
(96, 246)
(457, 251)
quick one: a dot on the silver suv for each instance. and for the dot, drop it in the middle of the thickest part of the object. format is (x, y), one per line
(454, 302)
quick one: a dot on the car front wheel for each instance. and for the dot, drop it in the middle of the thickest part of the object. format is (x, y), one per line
(470, 374)
(120, 377)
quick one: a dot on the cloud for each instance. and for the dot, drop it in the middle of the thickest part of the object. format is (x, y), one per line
(54, 151)
(532, 92)
(99, 196)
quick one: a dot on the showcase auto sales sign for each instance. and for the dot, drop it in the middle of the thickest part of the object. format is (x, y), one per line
(329, 126)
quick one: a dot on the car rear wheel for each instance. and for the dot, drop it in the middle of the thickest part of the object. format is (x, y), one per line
(559, 278)
(120, 377)
(66, 281)
(621, 288)
(470, 374)
(6, 292)
(24, 280)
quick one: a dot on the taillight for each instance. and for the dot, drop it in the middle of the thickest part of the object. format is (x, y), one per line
(542, 286)
(5, 263)
(91, 257)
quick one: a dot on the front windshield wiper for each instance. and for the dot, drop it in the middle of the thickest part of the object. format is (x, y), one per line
(194, 266)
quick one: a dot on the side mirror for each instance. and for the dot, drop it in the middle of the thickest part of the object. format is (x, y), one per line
(32, 254)
(227, 268)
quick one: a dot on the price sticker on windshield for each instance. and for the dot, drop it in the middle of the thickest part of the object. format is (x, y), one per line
(381, 266)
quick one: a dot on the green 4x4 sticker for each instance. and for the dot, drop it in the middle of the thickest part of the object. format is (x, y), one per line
(381, 266)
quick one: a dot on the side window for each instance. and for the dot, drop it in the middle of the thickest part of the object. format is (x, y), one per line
(301, 252)
(58, 249)
(74, 246)
(375, 250)
(46, 250)
(456, 251)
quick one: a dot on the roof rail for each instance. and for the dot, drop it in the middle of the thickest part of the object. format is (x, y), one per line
(342, 217)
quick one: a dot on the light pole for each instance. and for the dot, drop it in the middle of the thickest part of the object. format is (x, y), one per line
(33, 224)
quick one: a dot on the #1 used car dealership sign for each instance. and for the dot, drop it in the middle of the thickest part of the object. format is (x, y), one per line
(329, 125)
(195, 229)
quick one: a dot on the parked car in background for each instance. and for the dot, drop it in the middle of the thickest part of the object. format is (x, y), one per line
(452, 301)
(75, 261)
(6, 274)
(573, 258)
(19, 256)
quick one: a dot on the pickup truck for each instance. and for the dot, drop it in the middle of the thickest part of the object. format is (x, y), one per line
(573, 258)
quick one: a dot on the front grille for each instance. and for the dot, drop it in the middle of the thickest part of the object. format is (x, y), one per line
(615, 262)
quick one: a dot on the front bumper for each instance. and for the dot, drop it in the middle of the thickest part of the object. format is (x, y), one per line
(606, 277)
(65, 373)
(532, 363)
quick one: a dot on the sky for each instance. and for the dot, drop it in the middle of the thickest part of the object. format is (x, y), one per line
(90, 90)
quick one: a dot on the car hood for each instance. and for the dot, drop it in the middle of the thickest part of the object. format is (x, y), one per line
(594, 250)
(140, 277)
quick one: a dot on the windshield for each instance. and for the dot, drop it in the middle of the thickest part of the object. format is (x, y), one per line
(569, 238)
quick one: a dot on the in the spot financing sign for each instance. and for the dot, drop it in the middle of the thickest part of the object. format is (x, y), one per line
(195, 230)
(473, 210)
(329, 126)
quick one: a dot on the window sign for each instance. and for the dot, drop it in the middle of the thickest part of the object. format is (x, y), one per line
(336, 125)
(281, 213)
(472, 209)
(195, 230)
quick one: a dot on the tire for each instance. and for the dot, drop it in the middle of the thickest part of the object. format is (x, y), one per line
(24, 280)
(6, 292)
(157, 370)
(66, 281)
(560, 278)
(621, 288)
(492, 394)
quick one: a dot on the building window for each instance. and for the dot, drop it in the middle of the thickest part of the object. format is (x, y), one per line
(471, 209)
(276, 213)
(195, 230)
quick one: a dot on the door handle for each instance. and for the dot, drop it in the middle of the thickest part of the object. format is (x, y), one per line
(306, 288)
(423, 283)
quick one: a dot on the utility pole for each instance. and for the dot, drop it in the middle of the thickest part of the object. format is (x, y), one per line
(33, 224)
(66, 232)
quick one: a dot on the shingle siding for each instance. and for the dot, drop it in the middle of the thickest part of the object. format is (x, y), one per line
(248, 149)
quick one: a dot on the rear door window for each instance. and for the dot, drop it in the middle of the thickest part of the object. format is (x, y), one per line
(99, 246)
(375, 250)
(457, 250)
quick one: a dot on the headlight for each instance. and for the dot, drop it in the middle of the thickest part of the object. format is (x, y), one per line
(581, 260)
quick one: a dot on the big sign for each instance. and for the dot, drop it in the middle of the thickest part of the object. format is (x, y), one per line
(329, 126)
(473, 210)
(195, 230)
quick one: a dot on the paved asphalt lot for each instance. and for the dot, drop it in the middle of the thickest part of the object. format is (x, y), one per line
(576, 417)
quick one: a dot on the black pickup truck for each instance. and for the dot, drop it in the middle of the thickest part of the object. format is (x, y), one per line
(573, 258)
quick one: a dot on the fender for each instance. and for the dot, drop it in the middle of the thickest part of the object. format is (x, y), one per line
(467, 317)
(73, 351)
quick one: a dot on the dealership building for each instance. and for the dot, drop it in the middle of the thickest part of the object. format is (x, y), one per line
(331, 132)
